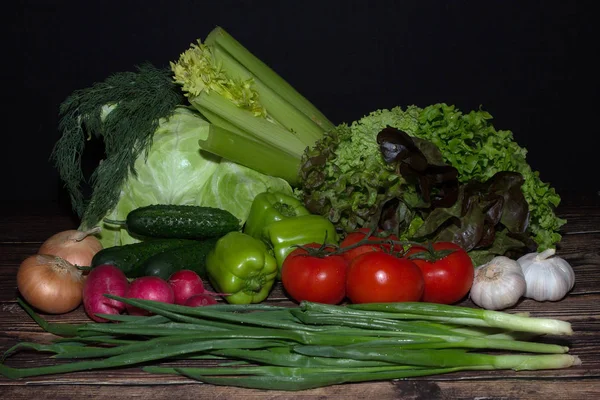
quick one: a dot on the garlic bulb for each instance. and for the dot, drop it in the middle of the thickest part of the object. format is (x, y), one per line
(498, 284)
(548, 278)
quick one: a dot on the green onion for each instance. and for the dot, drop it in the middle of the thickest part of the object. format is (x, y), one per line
(293, 379)
(440, 357)
(477, 317)
(286, 357)
(451, 314)
(296, 348)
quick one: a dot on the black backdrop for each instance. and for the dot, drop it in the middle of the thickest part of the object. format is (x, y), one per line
(531, 64)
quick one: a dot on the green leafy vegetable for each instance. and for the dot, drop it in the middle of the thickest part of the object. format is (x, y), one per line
(419, 162)
(152, 156)
(124, 111)
(492, 215)
(241, 110)
(470, 143)
(346, 177)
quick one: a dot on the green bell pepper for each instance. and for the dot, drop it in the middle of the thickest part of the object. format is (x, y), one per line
(269, 207)
(242, 267)
(286, 234)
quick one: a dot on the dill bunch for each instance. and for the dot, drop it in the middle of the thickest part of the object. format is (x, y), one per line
(124, 111)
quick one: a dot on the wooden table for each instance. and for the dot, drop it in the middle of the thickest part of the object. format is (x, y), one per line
(22, 229)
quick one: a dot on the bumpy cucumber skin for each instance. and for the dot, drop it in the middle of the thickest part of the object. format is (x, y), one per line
(192, 257)
(181, 221)
(128, 257)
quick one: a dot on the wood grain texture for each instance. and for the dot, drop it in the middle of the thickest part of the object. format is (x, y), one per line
(22, 233)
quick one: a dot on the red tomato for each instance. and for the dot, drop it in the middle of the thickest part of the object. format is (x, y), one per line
(377, 277)
(356, 236)
(313, 278)
(447, 279)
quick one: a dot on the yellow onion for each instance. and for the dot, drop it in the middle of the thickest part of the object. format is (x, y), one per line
(50, 284)
(77, 247)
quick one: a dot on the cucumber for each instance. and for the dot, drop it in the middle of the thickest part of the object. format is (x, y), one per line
(128, 257)
(181, 221)
(192, 257)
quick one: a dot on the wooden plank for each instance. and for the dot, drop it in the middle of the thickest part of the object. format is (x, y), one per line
(11, 255)
(580, 220)
(407, 389)
(429, 389)
(587, 197)
(581, 247)
(34, 227)
(184, 390)
(581, 210)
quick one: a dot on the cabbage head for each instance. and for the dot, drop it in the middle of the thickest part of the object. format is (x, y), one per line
(175, 170)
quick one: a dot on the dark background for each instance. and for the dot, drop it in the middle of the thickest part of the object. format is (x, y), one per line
(531, 64)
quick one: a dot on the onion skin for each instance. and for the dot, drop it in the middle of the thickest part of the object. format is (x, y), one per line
(77, 247)
(50, 284)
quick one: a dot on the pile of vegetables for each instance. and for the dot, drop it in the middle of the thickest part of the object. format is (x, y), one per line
(220, 121)
(220, 176)
(150, 138)
(400, 324)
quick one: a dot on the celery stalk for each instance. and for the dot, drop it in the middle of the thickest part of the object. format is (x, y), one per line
(264, 73)
(234, 144)
(243, 119)
(251, 153)
(277, 107)
(225, 124)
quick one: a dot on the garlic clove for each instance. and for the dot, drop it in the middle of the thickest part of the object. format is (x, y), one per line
(499, 284)
(548, 277)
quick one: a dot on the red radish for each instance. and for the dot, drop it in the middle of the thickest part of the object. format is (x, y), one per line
(148, 288)
(104, 279)
(198, 300)
(185, 284)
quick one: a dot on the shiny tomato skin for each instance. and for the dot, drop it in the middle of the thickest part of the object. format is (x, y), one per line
(447, 280)
(356, 236)
(315, 279)
(377, 277)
